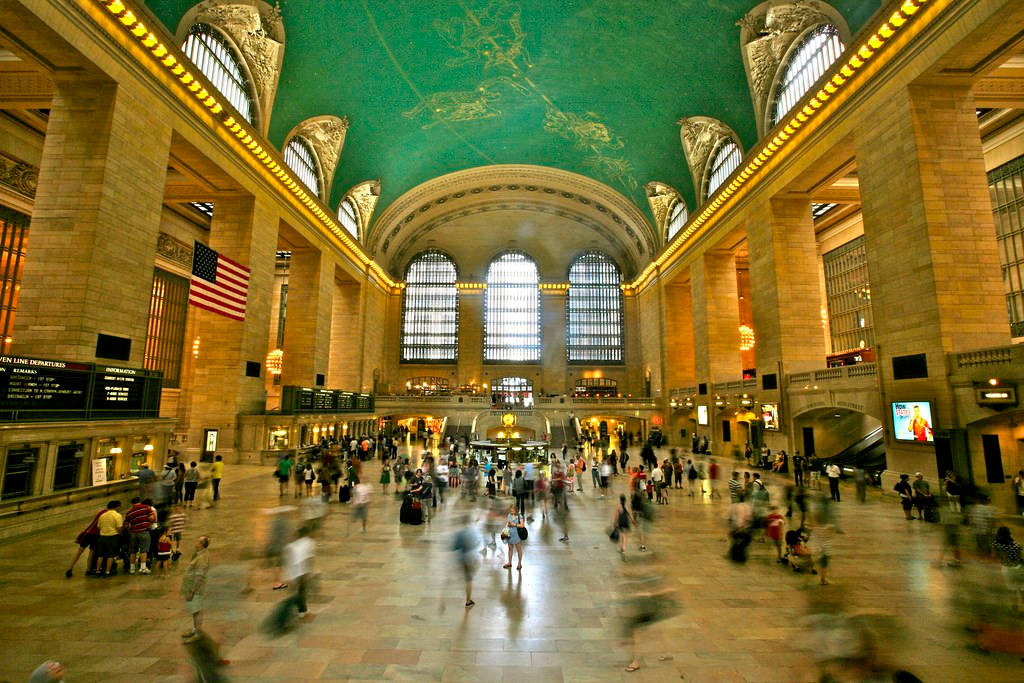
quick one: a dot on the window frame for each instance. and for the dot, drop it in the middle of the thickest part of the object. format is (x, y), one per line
(589, 317)
(717, 160)
(353, 214)
(535, 350)
(242, 80)
(787, 75)
(310, 165)
(673, 214)
(444, 354)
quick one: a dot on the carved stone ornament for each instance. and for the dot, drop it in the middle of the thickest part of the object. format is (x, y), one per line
(700, 135)
(18, 176)
(662, 198)
(767, 33)
(174, 250)
(326, 134)
(364, 196)
(256, 28)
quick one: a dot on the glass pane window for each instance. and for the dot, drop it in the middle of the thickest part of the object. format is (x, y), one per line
(512, 310)
(13, 244)
(676, 220)
(726, 159)
(213, 55)
(809, 60)
(165, 331)
(1006, 186)
(347, 217)
(300, 158)
(69, 462)
(19, 467)
(594, 328)
(848, 297)
(430, 310)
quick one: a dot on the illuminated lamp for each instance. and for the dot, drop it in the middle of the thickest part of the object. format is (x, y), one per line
(275, 361)
(747, 340)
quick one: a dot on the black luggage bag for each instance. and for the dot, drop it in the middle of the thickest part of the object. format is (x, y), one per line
(344, 493)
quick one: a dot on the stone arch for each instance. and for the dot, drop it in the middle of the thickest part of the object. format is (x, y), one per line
(326, 137)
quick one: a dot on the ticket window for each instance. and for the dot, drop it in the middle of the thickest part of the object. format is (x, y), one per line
(19, 472)
(67, 470)
(278, 439)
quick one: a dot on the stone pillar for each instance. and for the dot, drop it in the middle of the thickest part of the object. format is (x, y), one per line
(245, 230)
(716, 317)
(784, 288)
(307, 329)
(471, 337)
(344, 345)
(94, 227)
(554, 362)
(925, 196)
(679, 362)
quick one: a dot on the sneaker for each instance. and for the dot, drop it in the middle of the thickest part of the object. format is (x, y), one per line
(144, 570)
(643, 548)
(131, 570)
(564, 539)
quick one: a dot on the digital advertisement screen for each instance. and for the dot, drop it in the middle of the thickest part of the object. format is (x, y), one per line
(912, 421)
(770, 416)
(702, 415)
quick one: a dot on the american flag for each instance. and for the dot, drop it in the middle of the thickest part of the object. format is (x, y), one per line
(218, 283)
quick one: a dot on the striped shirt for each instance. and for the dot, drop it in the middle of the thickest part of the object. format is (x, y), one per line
(139, 518)
(176, 522)
(734, 489)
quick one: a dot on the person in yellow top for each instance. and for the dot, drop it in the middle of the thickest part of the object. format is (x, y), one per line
(217, 473)
(110, 524)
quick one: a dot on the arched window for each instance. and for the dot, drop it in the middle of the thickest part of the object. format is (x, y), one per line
(676, 220)
(347, 216)
(593, 331)
(815, 54)
(724, 161)
(217, 60)
(512, 392)
(302, 160)
(512, 310)
(430, 310)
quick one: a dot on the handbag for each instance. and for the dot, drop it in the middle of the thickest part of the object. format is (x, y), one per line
(523, 533)
(504, 535)
(613, 535)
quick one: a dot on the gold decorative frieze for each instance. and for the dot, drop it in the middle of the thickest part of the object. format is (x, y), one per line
(18, 176)
(174, 250)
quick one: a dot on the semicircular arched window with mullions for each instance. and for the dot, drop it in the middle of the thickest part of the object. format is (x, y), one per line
(724, 161)
(301, 159)
(215, 57)
(808, 61)
(430, 310)
(512, 310)
(593, 310)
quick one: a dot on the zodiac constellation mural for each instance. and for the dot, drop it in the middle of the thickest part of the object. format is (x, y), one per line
(492, 36)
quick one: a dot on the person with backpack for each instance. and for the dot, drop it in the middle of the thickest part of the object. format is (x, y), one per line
(691, 479)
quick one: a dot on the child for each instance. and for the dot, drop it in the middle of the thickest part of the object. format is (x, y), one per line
(176, 525)
(163, 551)
(773, 524)
(570, 478)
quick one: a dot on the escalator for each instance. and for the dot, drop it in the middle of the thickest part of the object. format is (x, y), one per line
(867, 453)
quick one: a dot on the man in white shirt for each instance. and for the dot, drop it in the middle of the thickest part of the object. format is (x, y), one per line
(298, 562)
(657, 479)
(833, 473)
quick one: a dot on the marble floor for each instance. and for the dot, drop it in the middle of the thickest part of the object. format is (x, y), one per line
(388, 604)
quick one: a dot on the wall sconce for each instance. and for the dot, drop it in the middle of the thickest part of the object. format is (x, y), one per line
(148, 447)
(746, 337)
(195, 347)
(115, 450)
(275, 361)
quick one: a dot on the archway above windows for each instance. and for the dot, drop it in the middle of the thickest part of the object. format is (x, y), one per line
(769, 35)
(356, 208)
(711, 149)
(669, 209)
(325, 137)
(254, 31)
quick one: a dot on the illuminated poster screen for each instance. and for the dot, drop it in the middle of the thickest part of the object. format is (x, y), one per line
(770, 416)
(912, 421)
(702, 415)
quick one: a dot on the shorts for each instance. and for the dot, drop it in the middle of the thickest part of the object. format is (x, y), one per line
(138, 542)
(163, 557)
(359, 512)
(109, 546)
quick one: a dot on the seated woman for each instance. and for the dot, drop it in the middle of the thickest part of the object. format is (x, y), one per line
(798, 553)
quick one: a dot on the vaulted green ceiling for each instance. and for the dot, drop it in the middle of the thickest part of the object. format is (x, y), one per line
(591, 86)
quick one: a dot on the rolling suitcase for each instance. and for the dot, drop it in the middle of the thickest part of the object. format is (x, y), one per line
(344, 493)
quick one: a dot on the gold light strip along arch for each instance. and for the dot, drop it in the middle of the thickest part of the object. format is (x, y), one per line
(165, 55)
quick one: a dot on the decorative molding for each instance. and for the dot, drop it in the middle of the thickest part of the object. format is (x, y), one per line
(326, 135)
(519, 178)
(364, 197)
(18, 176)
(257, 30)
(174, 250)
(767, 33)
(662, 198)
(700, 136)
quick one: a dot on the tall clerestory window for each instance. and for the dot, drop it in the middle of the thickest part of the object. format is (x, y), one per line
(347, 217)
(215, 57)
(299, 156)
(593, 332)
(809, 59)
(430, 310)
(676, 220)
(512, 310)
(726, 159)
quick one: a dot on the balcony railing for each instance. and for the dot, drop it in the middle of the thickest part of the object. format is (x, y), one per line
(557, 402)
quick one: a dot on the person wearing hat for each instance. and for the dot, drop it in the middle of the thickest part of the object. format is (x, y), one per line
(906, 493)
